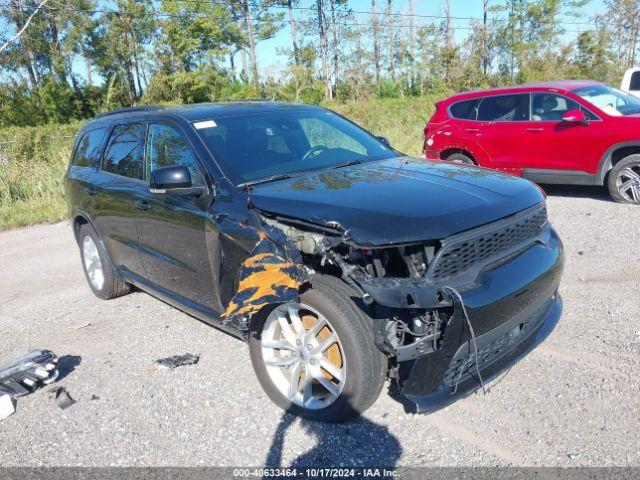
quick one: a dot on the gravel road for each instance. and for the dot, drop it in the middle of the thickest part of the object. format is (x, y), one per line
(573, 401)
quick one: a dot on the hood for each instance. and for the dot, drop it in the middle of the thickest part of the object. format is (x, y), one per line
(398, 200)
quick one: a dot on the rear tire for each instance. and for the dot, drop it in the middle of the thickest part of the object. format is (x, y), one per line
(97, 267)
(460, 158)
(362, 366)
(623, 180)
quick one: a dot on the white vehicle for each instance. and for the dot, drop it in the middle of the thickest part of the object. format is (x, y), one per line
(631, 81)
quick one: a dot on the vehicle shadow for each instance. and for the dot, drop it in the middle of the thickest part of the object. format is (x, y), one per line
(577, 191)
(358, 443)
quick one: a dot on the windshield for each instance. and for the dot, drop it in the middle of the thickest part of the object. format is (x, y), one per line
(610, 100)
(275, 143)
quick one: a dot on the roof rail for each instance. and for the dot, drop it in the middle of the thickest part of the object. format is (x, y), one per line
(144, 108)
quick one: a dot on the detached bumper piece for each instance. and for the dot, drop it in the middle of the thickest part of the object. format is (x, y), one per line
(28, 373)
(498, 350)
(513, 307)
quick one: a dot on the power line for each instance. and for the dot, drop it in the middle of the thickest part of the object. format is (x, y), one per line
(65, 8)
(70, 7)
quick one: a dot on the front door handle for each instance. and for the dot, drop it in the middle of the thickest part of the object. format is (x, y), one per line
(472, 130)
(534, 130)
(90, 190)
(142, 205)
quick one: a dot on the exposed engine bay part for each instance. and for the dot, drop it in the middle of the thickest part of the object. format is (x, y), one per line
(392, 276)
(29, 372)
(409, 313)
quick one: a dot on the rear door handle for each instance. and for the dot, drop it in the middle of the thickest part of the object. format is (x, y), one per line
(472, 130)
(142, 205)
(90, 190)
(534, 130)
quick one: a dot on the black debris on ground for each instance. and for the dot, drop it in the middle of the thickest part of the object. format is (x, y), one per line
(62, 397)
(178, 360)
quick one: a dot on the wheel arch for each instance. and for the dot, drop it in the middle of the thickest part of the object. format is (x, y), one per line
(451, 150)
(78, 221)
(613, 155)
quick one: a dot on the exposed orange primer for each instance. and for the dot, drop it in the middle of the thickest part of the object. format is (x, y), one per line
(270, 275)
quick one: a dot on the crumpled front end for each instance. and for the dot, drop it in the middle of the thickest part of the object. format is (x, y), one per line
(496, 301)
(493, 289)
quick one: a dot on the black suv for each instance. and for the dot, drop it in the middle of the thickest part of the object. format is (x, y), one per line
(339, 260)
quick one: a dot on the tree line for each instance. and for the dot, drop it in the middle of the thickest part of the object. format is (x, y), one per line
(69, 59)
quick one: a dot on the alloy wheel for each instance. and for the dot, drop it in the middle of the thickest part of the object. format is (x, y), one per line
(92, 262)
(303, 355)
(628, 183)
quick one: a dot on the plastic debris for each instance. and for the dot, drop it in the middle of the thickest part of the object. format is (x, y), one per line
(27, 373)
(7, 406)
(178, 360)
(62, 397)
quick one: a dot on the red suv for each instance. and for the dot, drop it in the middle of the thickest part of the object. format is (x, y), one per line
(577, 132)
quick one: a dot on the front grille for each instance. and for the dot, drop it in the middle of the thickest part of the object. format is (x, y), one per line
(461, 252)
(464, 366)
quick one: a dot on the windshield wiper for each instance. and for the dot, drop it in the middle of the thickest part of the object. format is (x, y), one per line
(346, 164)
(272, 178)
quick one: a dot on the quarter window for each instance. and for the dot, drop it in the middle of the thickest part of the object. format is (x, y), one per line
(504, 108)
(466, 110)
(165, 146)
(124, 153)
(88, 150)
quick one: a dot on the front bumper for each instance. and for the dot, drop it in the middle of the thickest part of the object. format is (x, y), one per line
(512, 305)
(498, 350)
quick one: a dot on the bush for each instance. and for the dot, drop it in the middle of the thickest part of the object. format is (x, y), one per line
(33, 161)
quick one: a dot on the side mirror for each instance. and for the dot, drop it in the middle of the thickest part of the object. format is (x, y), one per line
(173, 180)
(384, 140)
(574, 116)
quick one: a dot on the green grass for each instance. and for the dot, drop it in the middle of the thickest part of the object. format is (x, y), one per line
(32, 163)
(401, 120)
(29, 212)
(33, 159)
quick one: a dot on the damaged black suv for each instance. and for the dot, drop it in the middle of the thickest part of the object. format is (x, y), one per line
(339, 260)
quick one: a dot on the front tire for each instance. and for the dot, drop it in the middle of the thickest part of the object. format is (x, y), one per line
(624, 180)
(97, 267)
(317, 358)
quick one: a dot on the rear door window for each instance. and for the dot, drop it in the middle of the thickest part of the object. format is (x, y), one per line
(504, 108)
(88, 150)
(466, 110)
(166, 146)
(124, 153)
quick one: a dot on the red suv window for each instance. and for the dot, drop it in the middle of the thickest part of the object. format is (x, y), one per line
(504, 108)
